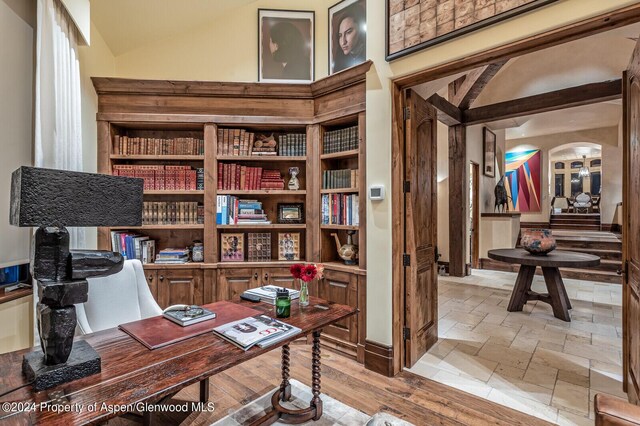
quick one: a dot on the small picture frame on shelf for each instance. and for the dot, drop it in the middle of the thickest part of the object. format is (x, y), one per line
(291, 213)
(288, 246)
(232, 247)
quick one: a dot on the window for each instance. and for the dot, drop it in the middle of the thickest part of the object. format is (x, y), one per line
(595, 183)
(559, 165)
(596, 163)
(559, 186)
(576, 184)
(576, 164)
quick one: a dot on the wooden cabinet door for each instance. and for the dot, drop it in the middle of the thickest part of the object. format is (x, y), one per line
(277, 276)
(339, 287)
(179, 286)
(232, 282)
(152, 280)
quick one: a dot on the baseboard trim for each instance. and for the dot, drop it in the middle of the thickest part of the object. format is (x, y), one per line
(467, 267)
(378, 358)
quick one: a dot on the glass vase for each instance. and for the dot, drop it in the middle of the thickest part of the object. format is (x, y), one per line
(304, 293)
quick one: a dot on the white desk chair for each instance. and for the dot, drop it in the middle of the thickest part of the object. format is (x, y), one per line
(117, 299)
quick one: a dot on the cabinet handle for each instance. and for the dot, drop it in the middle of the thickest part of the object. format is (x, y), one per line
(161, 277)
(150, 278)
(255, 276)
(266, 278)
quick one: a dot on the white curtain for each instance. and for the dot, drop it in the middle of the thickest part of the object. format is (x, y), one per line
(58, 124)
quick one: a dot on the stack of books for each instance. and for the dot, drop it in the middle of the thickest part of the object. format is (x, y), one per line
(271, 179)
(267, 293)
(260, 330)
(185, 315)
(133, 246)
(231, 210)
(171, 256)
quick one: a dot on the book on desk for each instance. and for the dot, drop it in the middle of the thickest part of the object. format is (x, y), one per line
(261, 330)
(267, 293)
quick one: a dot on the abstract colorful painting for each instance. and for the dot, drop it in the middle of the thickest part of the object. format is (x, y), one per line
(523, 180)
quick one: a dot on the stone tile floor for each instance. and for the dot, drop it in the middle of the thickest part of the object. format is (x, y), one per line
(530, 360)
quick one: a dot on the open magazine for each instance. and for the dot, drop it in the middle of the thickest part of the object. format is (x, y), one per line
(261, 330)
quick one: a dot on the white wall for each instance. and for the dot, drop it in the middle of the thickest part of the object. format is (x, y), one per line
(611, 141)
(17, 23)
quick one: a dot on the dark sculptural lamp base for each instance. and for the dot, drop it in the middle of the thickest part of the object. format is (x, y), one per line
(83, 361)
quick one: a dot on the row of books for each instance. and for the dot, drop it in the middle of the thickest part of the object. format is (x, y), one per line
(340, 209)
(340, 140)
(235, 142)
(239, 177)
(163, 178)
(231, 210)
(292, 145)
(173, 256)
(172, 213)
(133, 246)
(126, 145)
(344, 178)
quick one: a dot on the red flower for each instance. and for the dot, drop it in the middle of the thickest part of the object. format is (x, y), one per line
(296, 270)
(308, 273)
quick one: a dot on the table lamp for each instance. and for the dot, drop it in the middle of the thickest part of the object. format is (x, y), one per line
(50, 200)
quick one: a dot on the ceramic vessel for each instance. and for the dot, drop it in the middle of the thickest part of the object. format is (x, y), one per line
(349, 251)
(538, 241)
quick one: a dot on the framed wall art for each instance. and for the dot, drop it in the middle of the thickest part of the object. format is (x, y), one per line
(489, 152)
(291, 213)
(522, 181)
(347, 34)
(285, 46)
(288, 246)
(231, 247)
(414, 25)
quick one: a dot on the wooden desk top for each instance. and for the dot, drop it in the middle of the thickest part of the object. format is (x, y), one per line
(133, 374)
(555, 259)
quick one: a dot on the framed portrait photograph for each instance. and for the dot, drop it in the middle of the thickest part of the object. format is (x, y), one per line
(285, 46)
(291, 213)
(489, 150)
(288, 246)
(347, 34)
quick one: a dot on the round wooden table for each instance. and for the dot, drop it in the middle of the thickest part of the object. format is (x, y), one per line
(557, 296)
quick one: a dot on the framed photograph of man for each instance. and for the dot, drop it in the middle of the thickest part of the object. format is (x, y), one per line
(285, 46)
(348, 34)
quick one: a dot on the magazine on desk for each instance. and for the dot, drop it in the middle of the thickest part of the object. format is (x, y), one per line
(261, 330)
(267, 293)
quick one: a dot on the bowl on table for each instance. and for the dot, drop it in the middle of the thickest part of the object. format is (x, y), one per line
(538, 241)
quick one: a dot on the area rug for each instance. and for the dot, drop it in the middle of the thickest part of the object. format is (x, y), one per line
(334, 412)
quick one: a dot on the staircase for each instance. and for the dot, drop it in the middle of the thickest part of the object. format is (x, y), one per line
(604, 244)
(577, 221)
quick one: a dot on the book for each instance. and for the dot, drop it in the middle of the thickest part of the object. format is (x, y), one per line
(182, 317)
(260, 330)
(267, 293)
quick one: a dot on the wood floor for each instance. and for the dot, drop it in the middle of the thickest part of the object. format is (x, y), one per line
(408, 396)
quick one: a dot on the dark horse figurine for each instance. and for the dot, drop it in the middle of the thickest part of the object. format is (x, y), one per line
(502, 199)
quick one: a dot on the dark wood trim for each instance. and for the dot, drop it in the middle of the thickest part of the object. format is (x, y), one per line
(475, 220)
(378, 358)
(458, 195)
(593, 25)
(448, 113)
(8, 296)
(560, 99)
(507, 214)
(473, 83)
(534, 225)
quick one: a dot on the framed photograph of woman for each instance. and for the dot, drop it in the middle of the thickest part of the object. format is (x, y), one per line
(285, 46)
(348, 34)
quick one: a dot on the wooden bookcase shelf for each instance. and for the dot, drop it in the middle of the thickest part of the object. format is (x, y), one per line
(129, 108)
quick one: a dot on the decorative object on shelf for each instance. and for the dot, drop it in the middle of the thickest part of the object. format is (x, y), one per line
(347, 34)
(305, 273)
(264, 145)
(197, 252)
(259, 246)
(523, 180)
(502, 199)
(232, 247)
(349, 251)
(288, 246)
(283, 303)
(52, 200)
(291, 213)
(538, 241)
(489, 150)
(286, 46)
(294, 184)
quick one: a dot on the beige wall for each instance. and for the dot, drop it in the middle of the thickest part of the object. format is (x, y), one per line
(16, 318)
(608, 137)
(227, 50)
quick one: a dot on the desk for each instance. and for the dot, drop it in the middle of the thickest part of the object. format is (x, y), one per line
(557, 296)
(133, 374)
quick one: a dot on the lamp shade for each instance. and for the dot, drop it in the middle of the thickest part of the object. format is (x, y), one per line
(48, 197)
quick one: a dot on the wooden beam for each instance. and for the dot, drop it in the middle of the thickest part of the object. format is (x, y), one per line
(448, 113)
(560, 99)
(473, 84)
(458, 214)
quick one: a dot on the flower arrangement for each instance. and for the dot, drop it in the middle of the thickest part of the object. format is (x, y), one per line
(306, 273)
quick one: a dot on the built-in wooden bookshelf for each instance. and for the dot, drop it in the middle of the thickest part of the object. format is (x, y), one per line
(150, 113)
